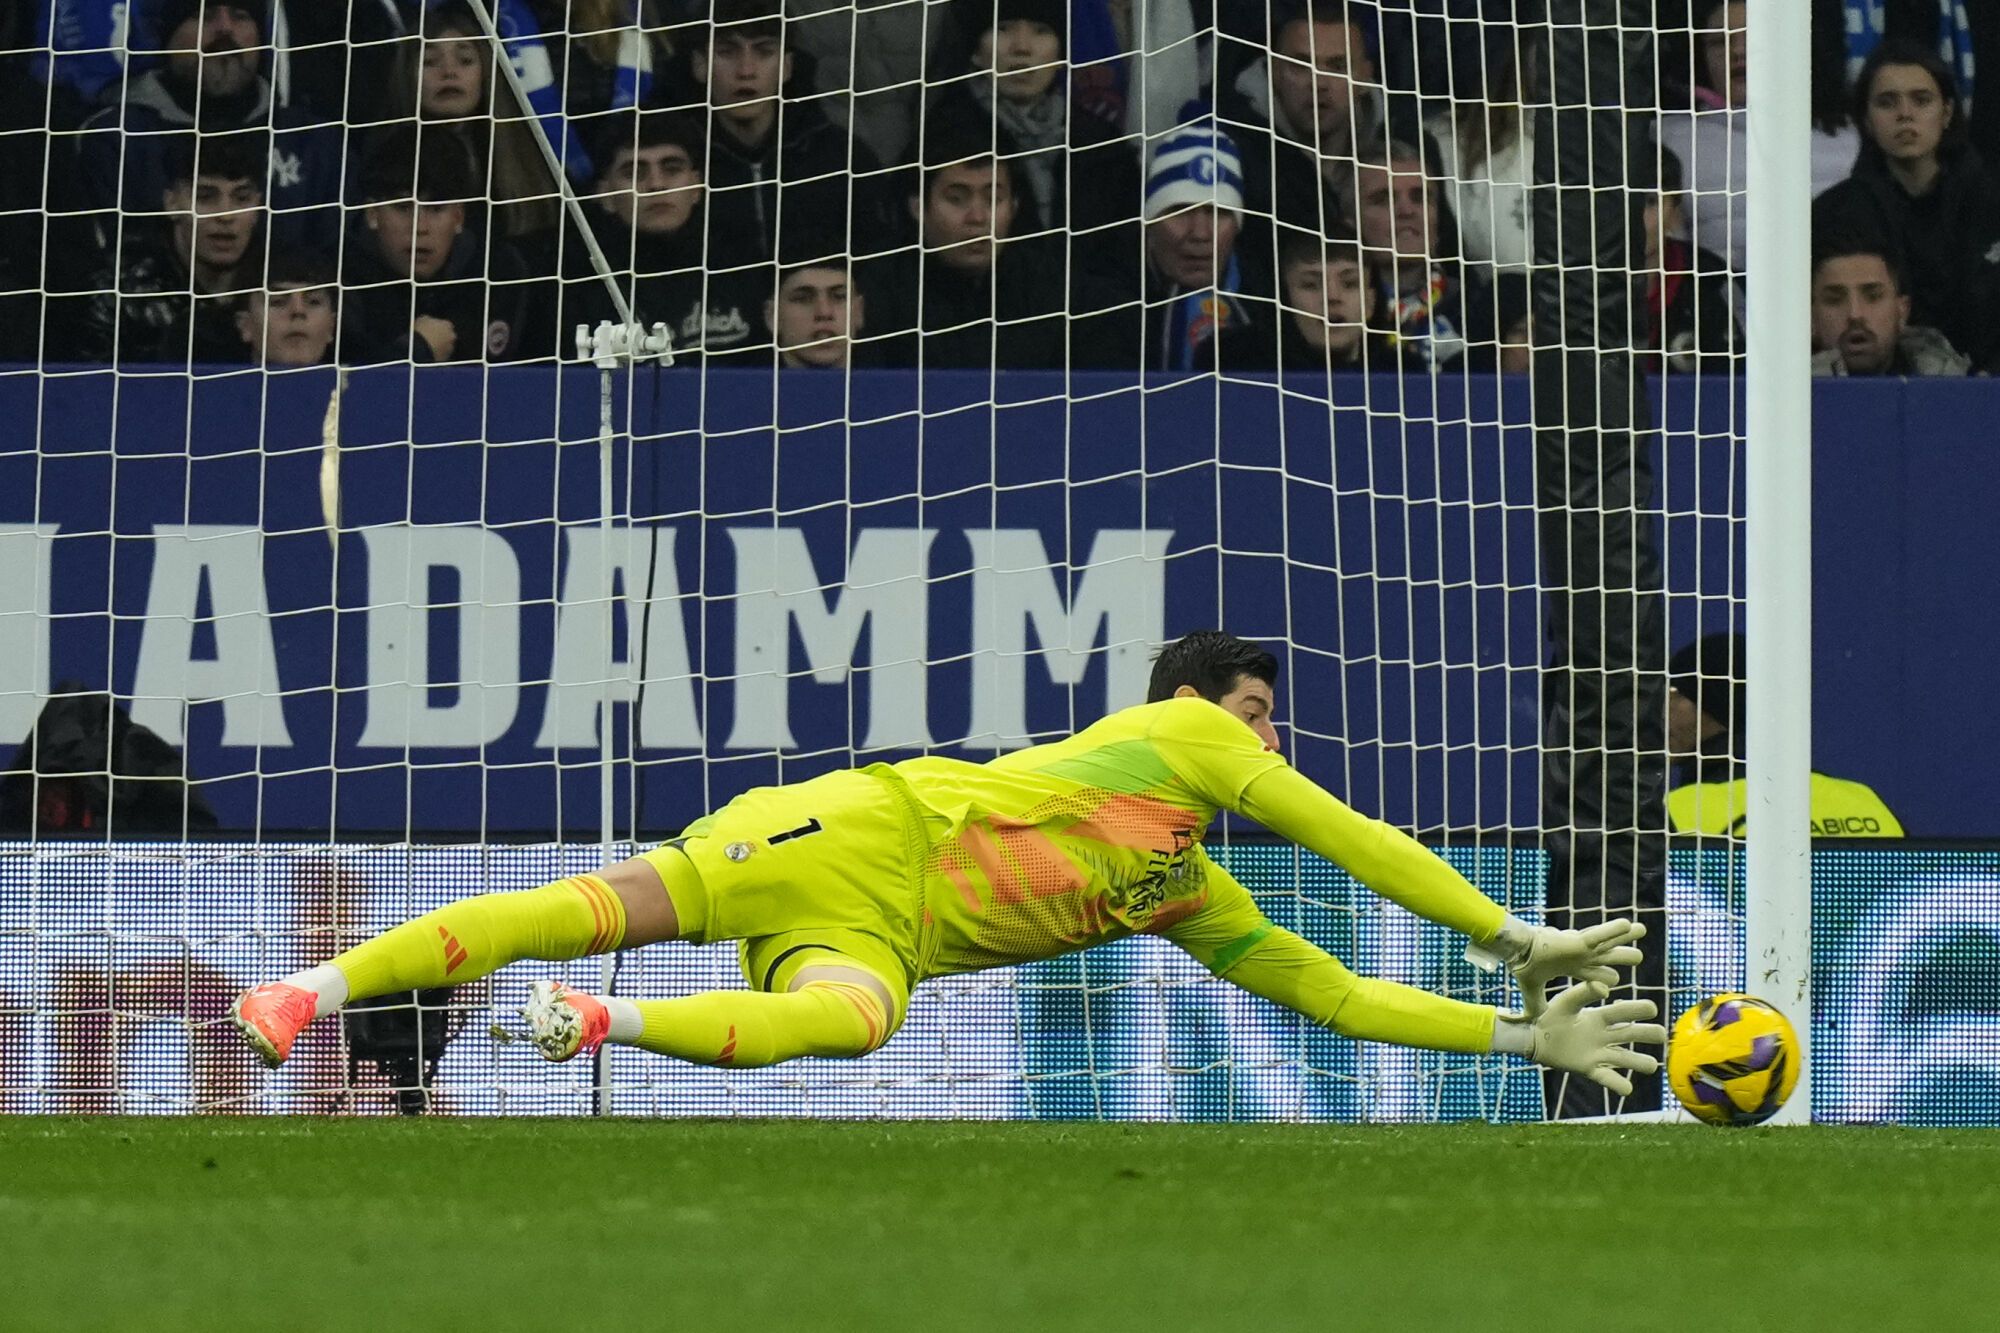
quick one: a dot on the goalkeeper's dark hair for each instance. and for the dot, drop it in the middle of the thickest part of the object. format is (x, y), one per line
(1212, 661)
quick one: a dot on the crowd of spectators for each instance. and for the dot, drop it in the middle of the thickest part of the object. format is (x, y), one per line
(1304, 186)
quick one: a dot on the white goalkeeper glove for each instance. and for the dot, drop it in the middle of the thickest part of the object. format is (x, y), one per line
(1594, 1042)
(1537, 955)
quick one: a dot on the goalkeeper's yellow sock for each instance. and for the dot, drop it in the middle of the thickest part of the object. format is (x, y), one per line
(750, 1029)
(470, 938)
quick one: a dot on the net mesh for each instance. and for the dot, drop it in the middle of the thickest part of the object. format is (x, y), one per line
(1009, 342)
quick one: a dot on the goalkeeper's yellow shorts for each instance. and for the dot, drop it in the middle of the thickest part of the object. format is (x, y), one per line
(828, 866)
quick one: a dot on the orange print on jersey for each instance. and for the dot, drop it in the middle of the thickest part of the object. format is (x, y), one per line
(454, 952)
(1134, 821)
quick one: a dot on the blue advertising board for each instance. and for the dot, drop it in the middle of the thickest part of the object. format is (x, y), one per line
(806, 572)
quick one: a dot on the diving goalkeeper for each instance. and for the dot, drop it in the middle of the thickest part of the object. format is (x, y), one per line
(846, 891)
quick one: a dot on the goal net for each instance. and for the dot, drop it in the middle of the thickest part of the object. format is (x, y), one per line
(1010, 340)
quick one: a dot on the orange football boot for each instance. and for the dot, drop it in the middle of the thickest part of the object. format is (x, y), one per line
(271, 1016)
(564, 1023)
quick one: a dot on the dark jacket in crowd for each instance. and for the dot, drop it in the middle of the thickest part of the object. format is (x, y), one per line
(1010, 316)
(1283, 180)
(125, 151)
(1949, 241)
(801, 171)
(1155, 324)
(1286, 180)
(145, 311)
(1692, 305)
(484, 290)
(1075, 173)
(1276, 344)
(664, 282)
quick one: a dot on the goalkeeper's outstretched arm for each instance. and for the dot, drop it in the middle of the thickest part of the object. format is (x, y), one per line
(1235, 941)
(1222, 758)
(1403, 870)
(1229, 763)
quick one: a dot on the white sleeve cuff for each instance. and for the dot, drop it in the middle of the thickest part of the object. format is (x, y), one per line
(1508, 945)
(1512, 1036)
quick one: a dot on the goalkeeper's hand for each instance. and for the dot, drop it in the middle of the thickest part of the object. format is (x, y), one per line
(1537, 955)
(1594, 1042)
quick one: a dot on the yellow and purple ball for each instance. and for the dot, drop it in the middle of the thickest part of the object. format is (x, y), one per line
(1733, 1060)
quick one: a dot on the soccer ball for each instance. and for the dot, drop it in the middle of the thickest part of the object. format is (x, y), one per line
(1733, 1060)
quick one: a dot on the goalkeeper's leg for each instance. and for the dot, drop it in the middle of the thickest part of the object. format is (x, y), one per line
(622, 906)
(835, 994)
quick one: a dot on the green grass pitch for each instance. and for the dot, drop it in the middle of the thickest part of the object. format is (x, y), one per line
(699, 1225)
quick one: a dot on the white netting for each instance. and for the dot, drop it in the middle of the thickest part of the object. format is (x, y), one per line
(1010, 341)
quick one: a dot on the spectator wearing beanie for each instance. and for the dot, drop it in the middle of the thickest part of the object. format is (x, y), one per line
(1193, 286)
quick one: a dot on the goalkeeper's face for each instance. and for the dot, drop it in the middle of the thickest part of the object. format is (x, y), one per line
(1251, 700)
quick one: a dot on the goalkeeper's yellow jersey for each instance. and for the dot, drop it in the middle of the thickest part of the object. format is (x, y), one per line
(1098, 836)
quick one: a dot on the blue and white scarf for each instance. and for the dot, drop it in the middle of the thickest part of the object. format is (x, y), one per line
(1867, 20)
(634, 79)
(1195, 318)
